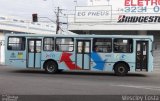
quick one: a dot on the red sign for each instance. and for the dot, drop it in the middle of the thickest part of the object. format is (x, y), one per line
(142, 2)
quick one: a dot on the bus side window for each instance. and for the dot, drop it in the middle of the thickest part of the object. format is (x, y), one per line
(102, 45)
(96, 49)
(9, 48)
(48, 44)
(57, 47)
(16, 43)
(123, 45)
(65, 44)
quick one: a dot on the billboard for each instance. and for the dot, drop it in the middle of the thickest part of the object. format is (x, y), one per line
(120, 11)
(93, 14)
(139, 11)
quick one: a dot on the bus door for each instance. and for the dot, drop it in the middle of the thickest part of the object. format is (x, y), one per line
(34, 53)
(141, 55)
(83, 54)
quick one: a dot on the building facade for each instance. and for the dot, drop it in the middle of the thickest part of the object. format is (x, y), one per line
(118, 17)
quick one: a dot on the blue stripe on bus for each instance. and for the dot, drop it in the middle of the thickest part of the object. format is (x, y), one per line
(98, 60)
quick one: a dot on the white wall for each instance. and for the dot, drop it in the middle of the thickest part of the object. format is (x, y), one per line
(26, 26)
(2, 48)
(110, 26)
(97, 2)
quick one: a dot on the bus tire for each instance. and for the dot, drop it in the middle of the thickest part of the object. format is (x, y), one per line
(51, 67)
(121, 69)
(60, 70)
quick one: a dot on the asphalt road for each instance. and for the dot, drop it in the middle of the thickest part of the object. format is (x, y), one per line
(37, 82)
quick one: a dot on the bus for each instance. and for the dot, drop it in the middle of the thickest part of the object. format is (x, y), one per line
(54, 53)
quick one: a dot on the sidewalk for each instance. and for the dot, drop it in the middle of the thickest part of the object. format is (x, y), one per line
(156, 68)
(2, 64)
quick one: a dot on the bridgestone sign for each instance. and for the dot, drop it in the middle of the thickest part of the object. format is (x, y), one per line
(139, 19)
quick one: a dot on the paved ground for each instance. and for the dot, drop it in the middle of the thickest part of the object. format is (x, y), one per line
(37, 82)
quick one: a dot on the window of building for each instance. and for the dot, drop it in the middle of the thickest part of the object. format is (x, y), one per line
(123, 45)
(15, 20)
(65, 44)
(2, 18)
(103, 45)
(22, 21)
(16, 43)
(48, 44)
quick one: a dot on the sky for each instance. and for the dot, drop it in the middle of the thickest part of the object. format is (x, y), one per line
(44, 8)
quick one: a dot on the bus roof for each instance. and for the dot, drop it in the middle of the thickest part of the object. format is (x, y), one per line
(85, 36)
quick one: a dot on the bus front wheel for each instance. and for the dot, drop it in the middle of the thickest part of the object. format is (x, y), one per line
(121, 69)
(51, 67)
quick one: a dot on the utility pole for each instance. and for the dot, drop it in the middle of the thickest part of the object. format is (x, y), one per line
(57, 20)
(108, 1)
(75, 2)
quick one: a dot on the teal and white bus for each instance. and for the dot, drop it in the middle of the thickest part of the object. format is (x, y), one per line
(53, 53)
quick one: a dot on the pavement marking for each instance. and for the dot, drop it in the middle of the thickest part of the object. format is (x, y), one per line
(141, 87)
